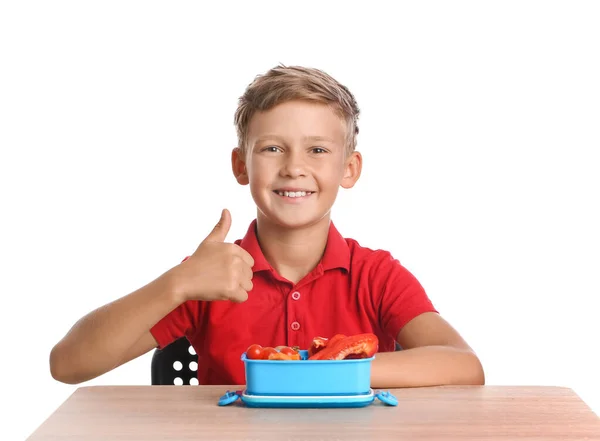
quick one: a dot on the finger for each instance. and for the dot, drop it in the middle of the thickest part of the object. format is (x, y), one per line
(245, 255)
(247, 272)
(246, 284)
(219, 232)
(239, 296)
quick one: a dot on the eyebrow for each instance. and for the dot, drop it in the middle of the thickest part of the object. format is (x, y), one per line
(280, 139)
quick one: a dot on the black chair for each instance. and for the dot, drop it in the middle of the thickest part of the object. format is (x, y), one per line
(176, 363)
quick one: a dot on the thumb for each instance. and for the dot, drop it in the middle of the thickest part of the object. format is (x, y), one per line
(219, 232)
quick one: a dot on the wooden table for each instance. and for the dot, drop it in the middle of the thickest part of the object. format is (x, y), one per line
(441, 413)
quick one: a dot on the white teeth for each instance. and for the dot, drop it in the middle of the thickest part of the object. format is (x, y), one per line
(293, 194)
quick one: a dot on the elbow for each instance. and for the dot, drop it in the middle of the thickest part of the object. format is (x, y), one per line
(468, 369)
(477, 374)
(59, 368)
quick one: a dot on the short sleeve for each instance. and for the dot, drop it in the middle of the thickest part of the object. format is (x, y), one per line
(401, 295)
(180, 322)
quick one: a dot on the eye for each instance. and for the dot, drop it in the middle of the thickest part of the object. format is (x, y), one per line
(271, 148)
(318, 150)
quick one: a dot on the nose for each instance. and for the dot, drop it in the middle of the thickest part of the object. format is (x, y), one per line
(293, 165)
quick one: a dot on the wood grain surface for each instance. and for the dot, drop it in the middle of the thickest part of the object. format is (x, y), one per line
(437, 413)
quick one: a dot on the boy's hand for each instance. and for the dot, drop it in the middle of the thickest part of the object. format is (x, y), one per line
(216, 270)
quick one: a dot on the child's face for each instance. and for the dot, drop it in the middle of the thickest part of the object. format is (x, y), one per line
(295, 162)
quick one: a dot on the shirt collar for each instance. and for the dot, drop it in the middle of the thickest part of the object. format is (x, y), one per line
(250, 244)
(336, 255)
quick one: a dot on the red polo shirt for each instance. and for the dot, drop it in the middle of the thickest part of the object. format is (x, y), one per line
(352, 290)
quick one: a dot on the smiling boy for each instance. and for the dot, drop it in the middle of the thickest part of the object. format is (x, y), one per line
(293, 276)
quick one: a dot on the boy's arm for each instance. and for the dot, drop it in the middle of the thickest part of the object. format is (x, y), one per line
(433, 353)
(113, 334)
(120, 331)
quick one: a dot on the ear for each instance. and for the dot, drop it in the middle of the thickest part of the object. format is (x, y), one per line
(352, 170)
(238, 166)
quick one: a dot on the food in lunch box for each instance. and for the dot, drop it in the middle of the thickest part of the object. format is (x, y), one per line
(257, 352)
(319, 343)
(340, 347)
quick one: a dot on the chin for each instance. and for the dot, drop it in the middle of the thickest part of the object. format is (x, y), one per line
(293, 221)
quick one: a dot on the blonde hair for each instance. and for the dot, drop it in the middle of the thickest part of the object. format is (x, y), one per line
(282, 84)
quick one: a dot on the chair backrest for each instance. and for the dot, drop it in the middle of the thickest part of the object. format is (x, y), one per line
(176, 363)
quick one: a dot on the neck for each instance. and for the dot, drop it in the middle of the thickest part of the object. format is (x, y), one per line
(293, 253)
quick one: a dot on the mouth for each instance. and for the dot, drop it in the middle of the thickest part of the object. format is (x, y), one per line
(294, 193)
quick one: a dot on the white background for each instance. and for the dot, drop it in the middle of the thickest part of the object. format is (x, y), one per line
(480, 131)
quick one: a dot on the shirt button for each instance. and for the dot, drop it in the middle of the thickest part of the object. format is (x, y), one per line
(295, 295)
(295, 326)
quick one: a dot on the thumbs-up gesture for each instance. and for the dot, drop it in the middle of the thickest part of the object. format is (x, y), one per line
(217, 270)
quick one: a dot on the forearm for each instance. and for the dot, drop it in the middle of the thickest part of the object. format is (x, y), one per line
(426, 366)
(104, 338)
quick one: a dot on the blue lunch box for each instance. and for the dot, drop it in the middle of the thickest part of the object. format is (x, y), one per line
(302, 401)
(308, 377)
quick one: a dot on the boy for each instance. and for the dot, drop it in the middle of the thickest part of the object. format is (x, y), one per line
(293, 276)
